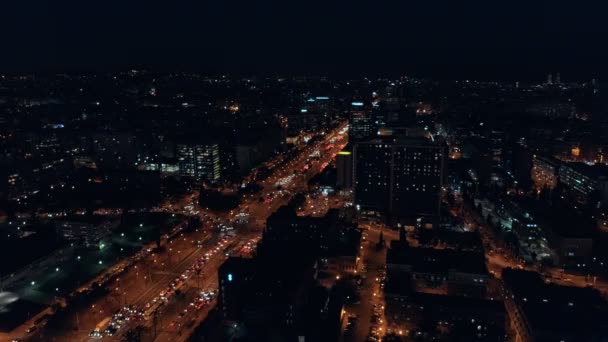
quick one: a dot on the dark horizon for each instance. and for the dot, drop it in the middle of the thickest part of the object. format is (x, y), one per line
(514, 41)
(525, 74)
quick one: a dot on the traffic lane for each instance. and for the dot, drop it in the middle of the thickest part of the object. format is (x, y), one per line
(176, 304)
(264, 212)
(370, 291)
(131, 286)
(209, 281)
(187, 322)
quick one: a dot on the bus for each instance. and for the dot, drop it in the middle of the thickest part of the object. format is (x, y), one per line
(100, 327)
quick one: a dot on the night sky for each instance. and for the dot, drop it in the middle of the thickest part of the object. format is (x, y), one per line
(444, 39)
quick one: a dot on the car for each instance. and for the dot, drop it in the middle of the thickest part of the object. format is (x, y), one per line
(96, 334)
(110, 331)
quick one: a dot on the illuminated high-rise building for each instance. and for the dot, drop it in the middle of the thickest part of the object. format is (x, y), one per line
(361, 126)
(399, 177)
(199, 161)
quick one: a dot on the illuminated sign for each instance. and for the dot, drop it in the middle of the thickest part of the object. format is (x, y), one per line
(344, 153)
(358, 104)
(229, 276)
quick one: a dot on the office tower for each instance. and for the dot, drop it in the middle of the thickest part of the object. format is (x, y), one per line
(199, 161)
(360, 121)
(400, 178)
(558, 79)
(372, 170)
(344, 167)
(549, 79)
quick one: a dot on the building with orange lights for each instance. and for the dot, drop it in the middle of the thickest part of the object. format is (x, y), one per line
(544, 172)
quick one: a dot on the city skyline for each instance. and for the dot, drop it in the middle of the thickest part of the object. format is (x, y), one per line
(236, 171)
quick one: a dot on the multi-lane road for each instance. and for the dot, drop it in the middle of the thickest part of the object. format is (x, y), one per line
(143, 282)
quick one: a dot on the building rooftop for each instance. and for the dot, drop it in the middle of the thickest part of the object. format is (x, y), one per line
(556, 308)
(436, 260)
(470, 241)
(468, 304)
(597, 171)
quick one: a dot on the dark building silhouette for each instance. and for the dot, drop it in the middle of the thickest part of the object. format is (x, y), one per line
(460, 272)
(268, 298)
(344, 169)
(400, 177)
(549, 312)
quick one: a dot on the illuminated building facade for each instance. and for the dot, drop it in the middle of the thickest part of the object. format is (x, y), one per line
(586, 182)
(360, 122)
(86, 231)
(401, 178)
(544, 172)
(199, 161)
